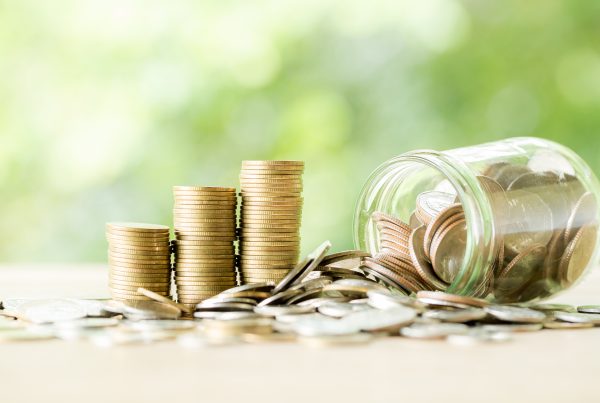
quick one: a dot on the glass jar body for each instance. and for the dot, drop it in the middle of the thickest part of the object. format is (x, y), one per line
(511, 221)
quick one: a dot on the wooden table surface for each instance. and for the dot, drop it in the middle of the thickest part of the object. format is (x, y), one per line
(550, 365)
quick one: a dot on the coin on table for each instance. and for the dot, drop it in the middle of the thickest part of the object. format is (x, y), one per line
(51, 310)
(456, 315)
(515, 314)
(568, 325)
(576, 317)
(452, 300)
(160, 298)
(302, 269)
(433, 330)
(588, 309)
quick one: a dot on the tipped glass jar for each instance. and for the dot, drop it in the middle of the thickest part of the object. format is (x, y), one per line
(510, 221)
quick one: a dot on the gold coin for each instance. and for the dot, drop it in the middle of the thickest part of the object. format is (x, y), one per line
(206, 276)
(290, 225)
(206, 200)
(268, 238)
(252, 175)
(192, 232)
(219, 240)
(204, 282)
(133, 289)
(190, 226)
(147, 241)
(146, 284)
(202, 290)
(139, 256)
(143, 252)
(132, 294)
(136, 227)
(282, 244)
(286, 164)
(265, 249)
(200, 213)
(187, 193)
(143, 262)
(159, 298)
(137, 234)
(140, 249)
(208, 242)
(134, 245)
(203, 189)
(205, 220)
(116, 271)
(137, 265)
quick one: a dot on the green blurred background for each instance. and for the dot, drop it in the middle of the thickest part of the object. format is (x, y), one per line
(105, 104)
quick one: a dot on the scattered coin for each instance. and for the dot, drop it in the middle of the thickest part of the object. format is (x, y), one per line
(515, 314)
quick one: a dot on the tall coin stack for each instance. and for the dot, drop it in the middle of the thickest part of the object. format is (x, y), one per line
(271, 214)
(139, 255)
(205, 221)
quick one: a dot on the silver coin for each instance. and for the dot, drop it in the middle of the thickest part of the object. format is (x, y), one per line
(87, 323)
(280, 297)
(588, 309)
(456, 315)
(153, 325)
(233, 315)
(342, 340)
(340, 309)
(556, 324)
(386, 300)
(214, 306)
(323, 326)
(317, 302)
(138, 310)
(515, 314)
(576, 317)
(513, 327)
(433, 330)
(431, 203)
(477, 336)
(51, 310)
(277, 310)
(310, 284)
(553, 307)
(376, 320)
(302, 269)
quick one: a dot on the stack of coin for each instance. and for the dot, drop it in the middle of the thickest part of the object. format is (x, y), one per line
(270, 219)
(139, 255)
(205, 225)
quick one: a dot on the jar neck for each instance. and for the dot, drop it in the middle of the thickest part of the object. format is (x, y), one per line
(480, 244)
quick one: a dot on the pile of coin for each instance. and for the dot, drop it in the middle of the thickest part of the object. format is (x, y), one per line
(271, 212)
(325, 300)
(139, 255)
(205, 231)
(545, 233)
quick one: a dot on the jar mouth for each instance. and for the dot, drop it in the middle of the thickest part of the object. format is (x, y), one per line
(479, 249)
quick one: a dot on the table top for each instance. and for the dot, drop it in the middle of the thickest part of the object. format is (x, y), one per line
(549, 365)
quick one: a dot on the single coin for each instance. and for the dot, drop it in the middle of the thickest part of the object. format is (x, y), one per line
(515, 314)
(431, 203)
(204, 188)
(567, 325)
(513, 327)
(460, 301)
(420, 263)
(124, 237)
(136, 227)
(344, 255)
(302, 269)
(160, 298)
(456, 316)
(114, 268)
(136, 265)
(577, 317)
(589, 309)
(433, 330)
(147, 278)
(529, 221)
(578, 254)
(445, 217)
(447, 253)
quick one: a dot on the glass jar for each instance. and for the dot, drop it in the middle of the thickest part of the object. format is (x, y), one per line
(509, 221)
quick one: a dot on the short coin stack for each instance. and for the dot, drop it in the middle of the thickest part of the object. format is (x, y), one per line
(271, 214)
(204, 219)
(139, 255)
